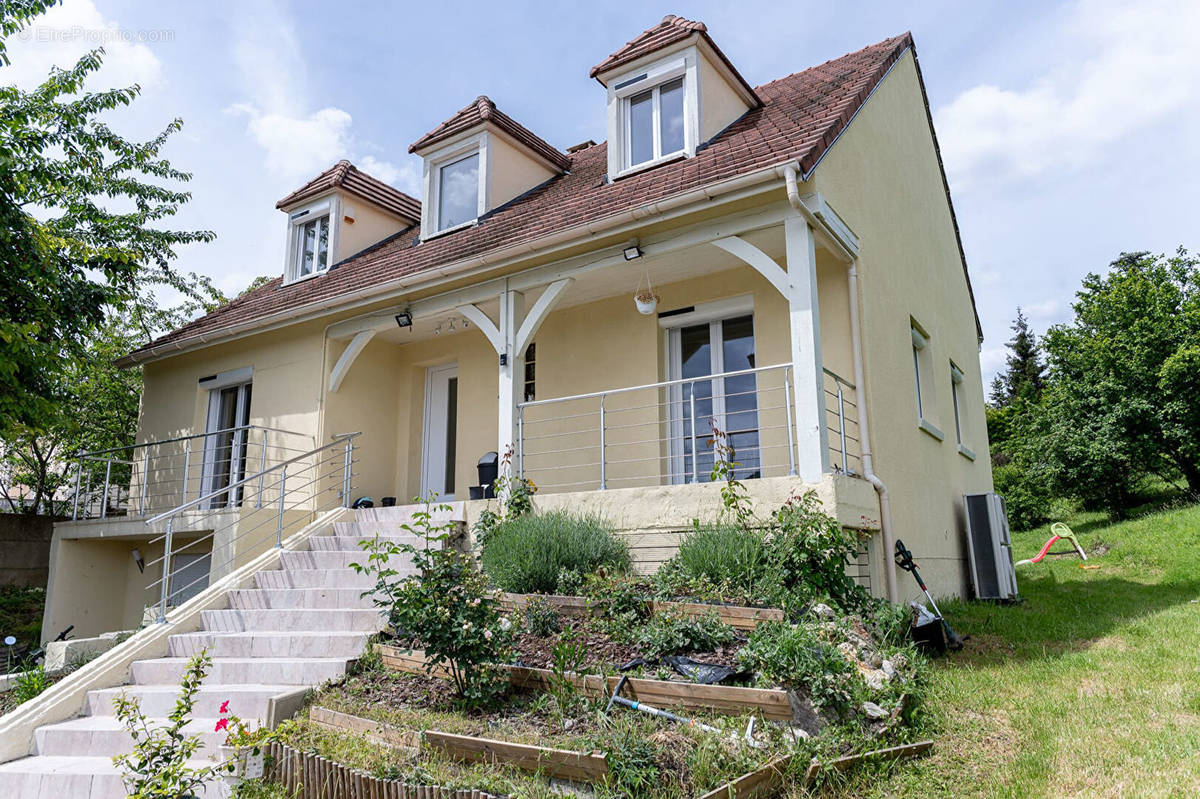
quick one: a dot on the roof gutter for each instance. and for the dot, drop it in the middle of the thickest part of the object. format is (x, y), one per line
(676, 205)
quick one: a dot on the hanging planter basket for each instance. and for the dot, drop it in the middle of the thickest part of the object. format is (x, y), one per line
(644, 298)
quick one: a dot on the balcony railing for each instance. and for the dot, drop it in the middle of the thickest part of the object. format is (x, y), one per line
(154, 476)
(841, 411)
(664, 433)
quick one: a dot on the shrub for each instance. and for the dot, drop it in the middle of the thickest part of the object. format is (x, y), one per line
(671, 634)
(526, 554)
(447, 608)
(1027, 497)
(721, 554)
(541, 618)
(159, 767)
(809, 551)
(793, 656)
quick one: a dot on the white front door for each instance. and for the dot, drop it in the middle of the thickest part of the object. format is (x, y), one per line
(441, 431)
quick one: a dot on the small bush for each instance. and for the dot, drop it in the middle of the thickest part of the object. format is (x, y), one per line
(30, 683)
(541, 618)
(527, 554)
(795, 657)
(721, 554)
(670, 634)
(1028, 498)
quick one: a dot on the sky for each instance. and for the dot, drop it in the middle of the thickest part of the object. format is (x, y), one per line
(1070, 132)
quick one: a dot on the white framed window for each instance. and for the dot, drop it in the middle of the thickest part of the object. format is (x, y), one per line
(960, 411)
(311, 240)
(654, 123)
(653, 114)
(456, 185)
(922, 357)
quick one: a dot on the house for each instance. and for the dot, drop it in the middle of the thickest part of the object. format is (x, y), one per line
(802, 289)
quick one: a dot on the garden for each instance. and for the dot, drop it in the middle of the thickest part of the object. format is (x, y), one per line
(536, 662)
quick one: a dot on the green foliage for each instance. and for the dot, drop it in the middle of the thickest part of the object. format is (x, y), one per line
(30, 683)
(1027, 497)
(632, 763)
(569, 656)
(97, 237)
(541, 617)
(158, 767)
(809, 553)
(21, 612)
(730, 557)
(526, 554)
(796, 657)
(447, 609)
(620, 601)
(672, 634)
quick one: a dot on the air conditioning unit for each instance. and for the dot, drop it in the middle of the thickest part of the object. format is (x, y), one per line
(990, 547)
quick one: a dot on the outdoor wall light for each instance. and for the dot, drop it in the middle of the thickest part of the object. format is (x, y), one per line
(404, 319)
(139, 560)
(633, 252)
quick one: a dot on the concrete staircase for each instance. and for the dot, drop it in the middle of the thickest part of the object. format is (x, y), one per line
(300, 626)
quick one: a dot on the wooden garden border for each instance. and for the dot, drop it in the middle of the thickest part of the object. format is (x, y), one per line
(760, 782)
(736, 616)
(568, 764)
(727, 700)
(315, 777)
(849, 761)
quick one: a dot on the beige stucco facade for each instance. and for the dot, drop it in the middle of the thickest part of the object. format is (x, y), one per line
(883, 178)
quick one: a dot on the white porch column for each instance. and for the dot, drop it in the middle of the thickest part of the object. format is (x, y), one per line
(512, 359)
(808, 379)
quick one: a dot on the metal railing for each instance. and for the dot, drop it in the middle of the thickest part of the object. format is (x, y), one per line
(841, 411)
(660, 433)
(664, 433)
(276, 501)
(142, 479)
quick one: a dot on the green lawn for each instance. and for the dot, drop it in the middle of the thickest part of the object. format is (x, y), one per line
(1090, 687)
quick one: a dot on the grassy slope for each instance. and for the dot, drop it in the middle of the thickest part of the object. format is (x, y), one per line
(1091, 687)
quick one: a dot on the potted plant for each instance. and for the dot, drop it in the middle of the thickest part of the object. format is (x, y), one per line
(644, 298)
(242, 752)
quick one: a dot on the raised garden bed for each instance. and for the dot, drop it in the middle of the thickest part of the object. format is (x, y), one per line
(728, 700)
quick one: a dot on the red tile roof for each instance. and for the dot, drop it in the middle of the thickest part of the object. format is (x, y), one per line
(349, 178)
(801, 117)
(670, 31)
(481, 110)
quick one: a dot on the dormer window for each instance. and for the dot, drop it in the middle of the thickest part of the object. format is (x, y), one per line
(313, 252)
(312, 239)
(458, 192)
(654, 123)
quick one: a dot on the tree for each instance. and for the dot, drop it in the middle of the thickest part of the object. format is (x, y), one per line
(1124, 399)
(68, 258)
(1024, 373)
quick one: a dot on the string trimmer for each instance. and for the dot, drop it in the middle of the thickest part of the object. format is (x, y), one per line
(904, 560)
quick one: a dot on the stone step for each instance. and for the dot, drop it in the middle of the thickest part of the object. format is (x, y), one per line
(403, 514)
(76, 777)
(99, 736)
(260, 598)
(249, 701)
(317, 578)
(355, 543)
(315, 619)
(332, 560)
(239, 671)
(279, 644)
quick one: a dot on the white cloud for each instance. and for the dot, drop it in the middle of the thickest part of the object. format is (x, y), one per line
(297, 142)
(65, 32)
(1123, 67)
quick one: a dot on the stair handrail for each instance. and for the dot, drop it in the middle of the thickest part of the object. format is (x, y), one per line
(344, 441)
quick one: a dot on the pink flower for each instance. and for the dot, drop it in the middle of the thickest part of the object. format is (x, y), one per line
(221, 725)
(225, 706)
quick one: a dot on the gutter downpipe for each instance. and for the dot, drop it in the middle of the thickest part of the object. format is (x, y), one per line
(868, 464)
